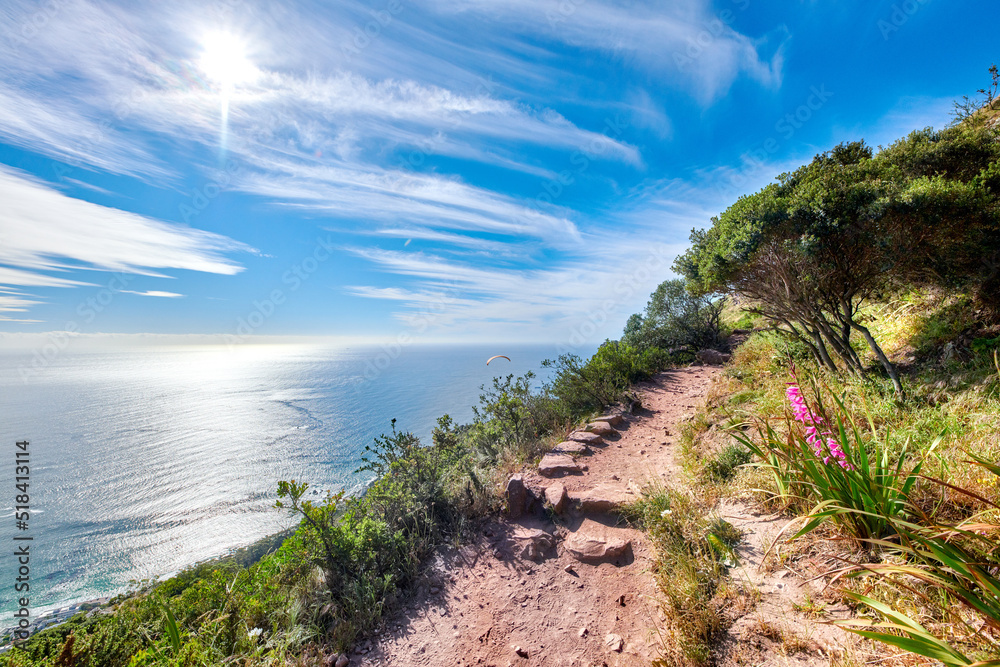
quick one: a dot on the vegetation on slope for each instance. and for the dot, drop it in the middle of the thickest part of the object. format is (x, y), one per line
(868, 400)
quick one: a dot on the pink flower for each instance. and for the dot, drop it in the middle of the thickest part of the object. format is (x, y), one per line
(823, 443)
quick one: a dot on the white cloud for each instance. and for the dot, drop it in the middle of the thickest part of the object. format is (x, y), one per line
(684, 41)
(165, 295)
(396, 196)
(45, 231)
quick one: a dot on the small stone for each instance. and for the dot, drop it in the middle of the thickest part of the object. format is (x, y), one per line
(582, 632)
(712, 357)
(587, 548)
(520, 651)
(342, 661)
(614, 642)
(435, 590)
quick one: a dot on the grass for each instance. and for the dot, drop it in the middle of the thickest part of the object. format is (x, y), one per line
(693, 551)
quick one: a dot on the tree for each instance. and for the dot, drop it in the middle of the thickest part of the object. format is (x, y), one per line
(967, 109)
(808, 250)
(675, 317)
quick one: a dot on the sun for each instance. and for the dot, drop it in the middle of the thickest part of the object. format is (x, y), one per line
(224, 60)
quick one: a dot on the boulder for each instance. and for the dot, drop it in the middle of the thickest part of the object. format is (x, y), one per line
(604, 498)
(586, 438)
(712, 357)
(552, 465)
(601, 428)
(517, 496)
(556, 497)
(531, 542)
(592, 549)
(614, 420)
(572, 447)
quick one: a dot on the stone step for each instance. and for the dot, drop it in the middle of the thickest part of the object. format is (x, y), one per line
(587, 438)
(596, 543)
(603, 498)
(601, 428)
(613, 420)
(572, 447)
(554, 465)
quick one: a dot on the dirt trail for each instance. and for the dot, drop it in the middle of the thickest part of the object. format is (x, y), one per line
(498, 602)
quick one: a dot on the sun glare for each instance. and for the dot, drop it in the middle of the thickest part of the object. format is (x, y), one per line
(224, 60)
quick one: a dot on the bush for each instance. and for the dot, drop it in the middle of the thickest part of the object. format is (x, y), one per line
(605, 379)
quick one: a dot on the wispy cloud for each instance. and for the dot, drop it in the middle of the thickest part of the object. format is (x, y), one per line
(165, 295)
(44, 231)
(685, 42)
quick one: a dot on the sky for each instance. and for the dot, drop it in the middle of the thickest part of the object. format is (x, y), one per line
(403, 170)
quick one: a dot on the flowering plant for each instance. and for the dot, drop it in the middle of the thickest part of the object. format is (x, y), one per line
(844, 475)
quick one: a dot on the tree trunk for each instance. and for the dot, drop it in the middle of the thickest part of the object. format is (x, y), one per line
(889, 368)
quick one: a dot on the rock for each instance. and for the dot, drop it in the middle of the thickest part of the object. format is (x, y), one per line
(517, 495)
(571, 447)
(712, 357)
(600, 428)
(587, 548)
(586, 438)
(435, 590)
(569, 569)
(557, 497)
(342, 661)
(614, 642)
(582, 632)
(603, 498)
(520, 651)
(614, 420)
(532, 543)
(557, 464)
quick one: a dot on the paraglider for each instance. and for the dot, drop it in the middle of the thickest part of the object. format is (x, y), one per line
(498, 356)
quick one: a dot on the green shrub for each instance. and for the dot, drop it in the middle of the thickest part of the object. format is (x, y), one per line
(605, 378)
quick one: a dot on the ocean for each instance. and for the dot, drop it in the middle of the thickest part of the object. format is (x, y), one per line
(146, 460)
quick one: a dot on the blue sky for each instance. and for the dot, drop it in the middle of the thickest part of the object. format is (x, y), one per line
(520, 170)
